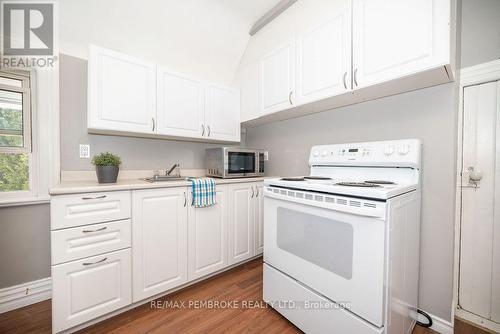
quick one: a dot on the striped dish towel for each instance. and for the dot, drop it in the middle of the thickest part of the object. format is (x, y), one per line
(203, 192)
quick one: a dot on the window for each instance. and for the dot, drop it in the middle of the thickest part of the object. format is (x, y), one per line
(15, 133)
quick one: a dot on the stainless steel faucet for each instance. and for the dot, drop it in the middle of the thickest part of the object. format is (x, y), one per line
(167, 173)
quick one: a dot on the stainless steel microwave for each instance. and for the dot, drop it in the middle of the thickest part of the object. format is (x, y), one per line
(229, 162)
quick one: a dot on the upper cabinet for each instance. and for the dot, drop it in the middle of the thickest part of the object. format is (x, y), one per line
(277, 79)
(121, 92)
(324, 58)
(323, 54)
(180, 105)
(393, 38)
(128, 96)
(222, 113)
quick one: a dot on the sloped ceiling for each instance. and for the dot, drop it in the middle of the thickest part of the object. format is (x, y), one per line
(204, 38)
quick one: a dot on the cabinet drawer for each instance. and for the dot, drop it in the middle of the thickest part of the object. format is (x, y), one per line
(85, 289)
(84, 241)
(83, 209)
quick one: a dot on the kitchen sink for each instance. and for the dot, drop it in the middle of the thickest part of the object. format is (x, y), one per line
(164, 178)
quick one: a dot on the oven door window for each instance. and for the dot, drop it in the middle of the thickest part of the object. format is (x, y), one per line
(326, 243)
(240, 163)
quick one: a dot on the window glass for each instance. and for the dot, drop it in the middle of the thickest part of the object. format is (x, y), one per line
(14, 172)
(11, 119)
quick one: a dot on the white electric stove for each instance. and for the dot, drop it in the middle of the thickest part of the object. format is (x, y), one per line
(341, 245)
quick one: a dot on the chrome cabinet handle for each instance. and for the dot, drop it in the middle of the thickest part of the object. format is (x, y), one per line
(290, 97)
(185, 199)
(91, 263)
(257, 189)
(92, 231)
(209, 130)
(202, 130)
(98, 197)
(356, 77)
(253, 194)
(154, 123)
(345, 82)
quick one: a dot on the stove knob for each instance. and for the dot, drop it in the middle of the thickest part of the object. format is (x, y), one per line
(315, 153)
(404, 149)
(324, 153)
(389, 150)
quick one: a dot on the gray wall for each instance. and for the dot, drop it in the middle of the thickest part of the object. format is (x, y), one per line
(136, 153)
(24, 244)
(480, 31)
(427, 114)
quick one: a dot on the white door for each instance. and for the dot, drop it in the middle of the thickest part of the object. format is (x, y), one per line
(121, 92)
(91, 287)
(258, 214)
(324, 57)
(395, 38)
(277, 79)
(241, 222)
(479, 286)
(207, 230)
(222, 113)
(180, 105)
(159, 240)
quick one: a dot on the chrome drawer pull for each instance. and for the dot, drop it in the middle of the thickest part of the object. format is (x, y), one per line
(92, 231)
(91, 263)
(98, 197)
(257, 192)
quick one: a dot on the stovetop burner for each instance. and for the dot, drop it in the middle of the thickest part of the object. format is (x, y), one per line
(380, 182)
(292, 179)
(357, 184)
(317, 178)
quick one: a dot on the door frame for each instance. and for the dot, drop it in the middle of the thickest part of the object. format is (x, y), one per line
(469, 76)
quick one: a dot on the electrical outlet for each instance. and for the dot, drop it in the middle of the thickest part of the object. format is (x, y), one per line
(84, 151)
(266, 155)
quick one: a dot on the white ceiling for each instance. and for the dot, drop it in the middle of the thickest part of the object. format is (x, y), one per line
(249, 10)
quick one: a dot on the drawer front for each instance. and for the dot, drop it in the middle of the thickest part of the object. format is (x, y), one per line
(84, 241)
(85, 289)
(83, 209)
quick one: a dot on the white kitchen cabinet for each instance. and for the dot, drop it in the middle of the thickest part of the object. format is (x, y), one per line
(180, 105)
(88, 288)
(207, 236)
(159, 240)
(222, 113)
(121, 92)
(393, 38)
(277, 79)
(258, 216)
(324, 57)
(241, 221)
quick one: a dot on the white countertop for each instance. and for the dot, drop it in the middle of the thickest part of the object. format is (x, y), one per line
(89, 186)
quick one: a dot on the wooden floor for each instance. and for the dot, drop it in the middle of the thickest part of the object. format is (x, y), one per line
(241, 284)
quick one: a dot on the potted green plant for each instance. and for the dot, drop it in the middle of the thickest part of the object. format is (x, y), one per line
(106, 166)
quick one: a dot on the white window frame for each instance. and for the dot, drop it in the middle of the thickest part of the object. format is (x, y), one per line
(44, 167)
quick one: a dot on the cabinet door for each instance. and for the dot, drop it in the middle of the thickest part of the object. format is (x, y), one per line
(121, 92)
(277, 79)
(258, 209)
(324, 57)
(222, 113)
(180, 105)
(86, 289)
(207, 230)
(394, 38)
(159, 239)
(241, 224)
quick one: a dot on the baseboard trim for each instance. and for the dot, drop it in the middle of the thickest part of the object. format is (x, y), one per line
(440, 325)
(25, 294)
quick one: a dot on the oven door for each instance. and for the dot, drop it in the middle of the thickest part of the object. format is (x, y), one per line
(241, 163)
(340, 255)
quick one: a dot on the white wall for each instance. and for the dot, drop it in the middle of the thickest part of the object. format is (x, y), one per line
(203, 38)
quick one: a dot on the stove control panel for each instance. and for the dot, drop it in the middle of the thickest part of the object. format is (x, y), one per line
(397, 153)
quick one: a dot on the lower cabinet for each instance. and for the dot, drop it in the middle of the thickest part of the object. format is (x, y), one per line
(258, 218)
(159, 239)
(207, 231)
(88, 288)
